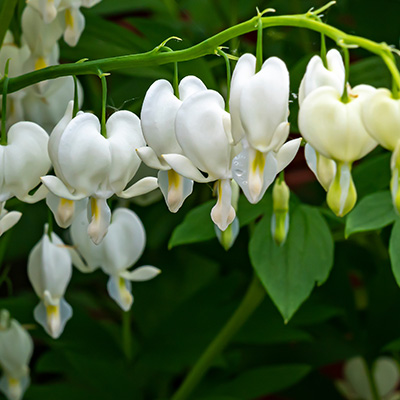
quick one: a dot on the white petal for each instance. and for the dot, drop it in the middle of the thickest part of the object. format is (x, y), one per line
(183, 166)
(57, 187)
(264, 103)
(9, 220)
(119, 290)
(78, 262)
(200, 131)
(150, 158)
(91, 253)
(84, 155)
(99, 215)
(40, 194)
(190, 85)
(143, 186)
(175, 188)
(124, 135)
(53, 318)
(141, 274)
(158, 114)
(287, 153)
(254, 172)
(124, 242)
(25, 158)
(386, 374)
(223, 213)
(75, 24)
(244, 70)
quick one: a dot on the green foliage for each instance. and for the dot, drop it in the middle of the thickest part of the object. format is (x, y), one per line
(289, 272)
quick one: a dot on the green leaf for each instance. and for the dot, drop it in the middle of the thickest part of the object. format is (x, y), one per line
(372, 212)
(289, 272)
(263, 381)
(6, 15)
(196, 227)
(394, 250)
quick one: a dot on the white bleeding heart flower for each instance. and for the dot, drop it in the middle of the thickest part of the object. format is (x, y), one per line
(259, 106)
(381, 117)
(317, 75)
(335, 130)
(24, 159)
(88, 164)
(49, 271)
(121, 247)
(202, 129)
(8, 218)
(70, 16)
(16, 348)
(356, 384)
(158, 115)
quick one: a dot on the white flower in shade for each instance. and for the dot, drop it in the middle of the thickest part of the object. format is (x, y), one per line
(158, 114)
(335, 130)
(88, 164)
(381, 117)
(69, 15)
(356, 385)
(16, 348)
(49, 271)
(203, 131)
(317, 75)
(8, 218)
(24, 160)
(259, 107)
(121, 248)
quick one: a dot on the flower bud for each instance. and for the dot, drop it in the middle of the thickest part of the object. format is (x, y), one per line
(280, 206)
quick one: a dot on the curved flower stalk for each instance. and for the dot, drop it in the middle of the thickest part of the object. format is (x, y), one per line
(49, 271)
(203, 131)
(25, 160)
(381, 117)
(121, 248)
(335, 130)
(356, 385)
(8, 218)
(16, 348)
(259, 106)
(158, 115)
(317, 75)
(70, 16)
(88, 164)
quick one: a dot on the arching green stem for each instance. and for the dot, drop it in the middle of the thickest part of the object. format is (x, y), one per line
(208, 46)
(228, 77)
(323, 51)
(175, 83)
(3, 140)
(102, 76)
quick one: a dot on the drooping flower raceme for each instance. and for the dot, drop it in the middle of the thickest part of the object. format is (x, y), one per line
(88, 164)
(121, 248)
(381, 117)
(259, 107)
(24, 160)
(49, 271)
(335, 130)
(318, 75)
(158, 115)
(16, 348)
(203, 132)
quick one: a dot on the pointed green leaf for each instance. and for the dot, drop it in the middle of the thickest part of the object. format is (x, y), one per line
(372, 212)
(289, 272)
